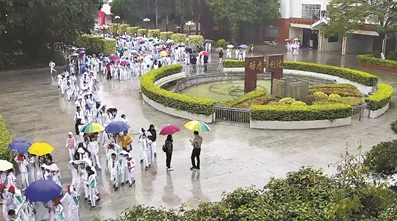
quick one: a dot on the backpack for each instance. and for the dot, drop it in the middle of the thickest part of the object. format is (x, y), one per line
(164, 148)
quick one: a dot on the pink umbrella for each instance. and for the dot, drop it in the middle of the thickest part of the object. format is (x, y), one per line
(160, 48)
(170, 129)
(220, 48)
(142, 42)
(114, 57)
(123, 63)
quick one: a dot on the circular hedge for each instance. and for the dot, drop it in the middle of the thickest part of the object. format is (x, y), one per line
(204, 106)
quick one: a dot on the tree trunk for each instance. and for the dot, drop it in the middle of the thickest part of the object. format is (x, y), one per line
(157, 13)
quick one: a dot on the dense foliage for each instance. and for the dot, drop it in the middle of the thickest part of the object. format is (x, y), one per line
(381, 97)
(29, 28)
(96, 44)
(5, 139)
(381, 160)
(307, 194)
(230, 12)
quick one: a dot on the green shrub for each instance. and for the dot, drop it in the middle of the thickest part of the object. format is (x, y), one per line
(320, 96)
(334, 97)
(381, 159)
(195, 40)
(142, 32)
(96, 44)
(299, 103)
(170, 99)
(370, 59)
(114, 28)
(153, 33)
(132, 30)
(346, 73)
(5, 140)
(300, 113)
(287, 100)
(344, 90)
(392, 56)
(178, 38)
(381, 97)
(245, 97)
(166, 35)
(221, 43)
(123, 29)
(393, 126)
(352, 101)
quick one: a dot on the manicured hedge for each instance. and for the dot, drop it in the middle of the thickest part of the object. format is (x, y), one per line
(152, 33)
(5, 140)
(381, 97)
(142, 32)
(170, 99)
(248, 96)
(195, 40)
(96, 44)
(300, 113)
(352, 75)
(178, 38)
(166, 35)
(370, 59)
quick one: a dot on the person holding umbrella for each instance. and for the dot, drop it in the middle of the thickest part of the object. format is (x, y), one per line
(22, 162)
(168, 148)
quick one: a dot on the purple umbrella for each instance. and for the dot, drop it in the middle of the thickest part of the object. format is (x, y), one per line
(19, 146)
(114, 57)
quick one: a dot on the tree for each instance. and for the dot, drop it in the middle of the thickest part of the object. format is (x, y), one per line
(235, 13)
(130, 11)
(347, 16)
(33, 26)
(381, 160)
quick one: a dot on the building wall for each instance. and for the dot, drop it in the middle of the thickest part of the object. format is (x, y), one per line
(293, 8)
(359, 44)
(331, 46)
(295, 33)
(283, 29)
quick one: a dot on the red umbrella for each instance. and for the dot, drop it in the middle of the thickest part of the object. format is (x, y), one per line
(204, 53)
(114, 57)
(170, 129)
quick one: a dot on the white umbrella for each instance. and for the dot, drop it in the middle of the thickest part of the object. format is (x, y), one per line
(5, 165)
(53, 167)
(230, 46)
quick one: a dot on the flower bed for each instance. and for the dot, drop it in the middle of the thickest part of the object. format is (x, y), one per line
(193, 105)
(344, 90)
(5, 139)
(381, 97)
(371, 60)
(346, 73)
(249, 96)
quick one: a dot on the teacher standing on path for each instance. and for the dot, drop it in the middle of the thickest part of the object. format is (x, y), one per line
(196, 143)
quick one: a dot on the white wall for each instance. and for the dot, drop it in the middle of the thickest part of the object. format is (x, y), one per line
(296, 33)
(293, 8)
(331, 46)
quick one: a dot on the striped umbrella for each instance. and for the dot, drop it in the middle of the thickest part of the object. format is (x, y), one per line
(92, 128)
(196, 125)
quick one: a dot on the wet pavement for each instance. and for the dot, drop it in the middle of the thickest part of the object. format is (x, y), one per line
(232, 154)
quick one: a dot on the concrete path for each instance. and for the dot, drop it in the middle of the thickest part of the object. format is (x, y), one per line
(232, 154)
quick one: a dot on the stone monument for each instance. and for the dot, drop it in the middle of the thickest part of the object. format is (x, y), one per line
(253, 67)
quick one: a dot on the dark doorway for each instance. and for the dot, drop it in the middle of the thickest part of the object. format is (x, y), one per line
(314, 38)
(310, 38)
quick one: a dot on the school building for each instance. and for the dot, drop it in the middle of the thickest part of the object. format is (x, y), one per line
(305, 19)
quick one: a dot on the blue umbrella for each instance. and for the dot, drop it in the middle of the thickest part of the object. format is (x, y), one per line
(19, 146)
(43, 191)
(116, 127)
(243, 46)
(156, 57)
(106, 59)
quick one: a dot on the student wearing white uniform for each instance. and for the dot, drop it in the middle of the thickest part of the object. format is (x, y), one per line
(130, 172)
(114, 169)
(93, 148)
(92, 186)
(52, 67)
(74, 169)
(23, 168)
(71, 197)
(8, 201)
(11, 179)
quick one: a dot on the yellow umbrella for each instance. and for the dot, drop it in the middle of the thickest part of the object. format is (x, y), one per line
(40, 148)
(5, 165)
(164, 53)
(196, 125)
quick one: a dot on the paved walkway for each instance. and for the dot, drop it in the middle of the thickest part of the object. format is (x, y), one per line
(233, 155)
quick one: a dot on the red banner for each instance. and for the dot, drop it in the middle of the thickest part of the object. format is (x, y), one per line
(253, 67)
(275, 64)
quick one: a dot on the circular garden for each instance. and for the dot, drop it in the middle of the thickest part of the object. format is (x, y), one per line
(324, 102)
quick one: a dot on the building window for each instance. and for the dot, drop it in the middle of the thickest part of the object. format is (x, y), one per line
(311, 11)
(334, 38)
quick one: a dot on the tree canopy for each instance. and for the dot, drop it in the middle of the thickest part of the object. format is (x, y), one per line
(29, 27)
(350, 15)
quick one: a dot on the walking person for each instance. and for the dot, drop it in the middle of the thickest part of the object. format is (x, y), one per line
(168, 148)
(196, 143)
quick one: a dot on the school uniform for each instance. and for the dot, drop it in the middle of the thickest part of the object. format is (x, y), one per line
(71, 197)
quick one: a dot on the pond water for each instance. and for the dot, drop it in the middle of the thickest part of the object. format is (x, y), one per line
(224, 91)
